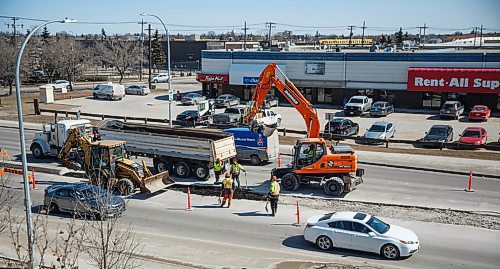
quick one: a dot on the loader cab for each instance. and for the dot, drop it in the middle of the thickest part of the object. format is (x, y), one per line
(308, 152)
(105, 153)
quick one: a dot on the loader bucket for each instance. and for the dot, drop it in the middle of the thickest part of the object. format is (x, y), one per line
(157, 182)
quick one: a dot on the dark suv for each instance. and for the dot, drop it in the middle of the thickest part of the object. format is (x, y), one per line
(342, 127)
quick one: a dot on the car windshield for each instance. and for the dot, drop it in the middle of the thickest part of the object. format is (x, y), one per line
(478, 109)
(222, 97)
(378, 105)
(378, 225)
(475, 134)
(448, 106)
(356, 101)
(232, 110)
(335, 123)
(326, 216)
(437, 131)
(93, 192)
(189, 112)
(190, 95)
(377, 128)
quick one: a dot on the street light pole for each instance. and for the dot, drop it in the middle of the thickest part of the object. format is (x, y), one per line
(27, 197)
(170, 91)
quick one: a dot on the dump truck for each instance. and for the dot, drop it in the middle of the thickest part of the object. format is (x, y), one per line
(182, 151)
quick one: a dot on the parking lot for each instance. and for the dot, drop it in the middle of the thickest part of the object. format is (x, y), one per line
(410, 125)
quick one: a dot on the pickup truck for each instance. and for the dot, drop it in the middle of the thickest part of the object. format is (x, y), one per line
(358, 105)
(231, 115)
(268, 118)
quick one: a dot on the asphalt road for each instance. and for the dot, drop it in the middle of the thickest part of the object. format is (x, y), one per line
(381, 184)
(244, 236)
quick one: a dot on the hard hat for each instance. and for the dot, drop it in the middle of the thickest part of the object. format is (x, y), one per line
(218, 159)
(228, 174)
(274, 178)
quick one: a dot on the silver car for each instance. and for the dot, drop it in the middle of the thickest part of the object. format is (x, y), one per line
(380, 130)
(82, 199)
(192, 99)
(227, 100)
(137, 89)
(381, 108)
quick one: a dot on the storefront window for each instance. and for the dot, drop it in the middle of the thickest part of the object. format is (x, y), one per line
(498, 102)
(328, 95)
(431, 100)
(367, 92)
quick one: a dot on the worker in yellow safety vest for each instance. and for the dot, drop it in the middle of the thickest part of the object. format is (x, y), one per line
(218, 169)
(227, 185)
(274, 193)
(236, 168)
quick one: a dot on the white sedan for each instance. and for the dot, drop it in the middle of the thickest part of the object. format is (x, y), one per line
(360, 231)
(137, 89)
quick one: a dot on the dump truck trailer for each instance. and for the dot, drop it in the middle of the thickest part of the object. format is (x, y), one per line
(181, 151)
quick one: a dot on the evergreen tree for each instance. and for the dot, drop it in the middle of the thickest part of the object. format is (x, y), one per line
(45, 33)
(406, 36)
(389, 40)
(383, 40)
(158, 51)
(399, 37)
(103, 34)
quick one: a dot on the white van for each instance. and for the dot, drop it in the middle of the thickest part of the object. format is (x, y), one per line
(109, 91)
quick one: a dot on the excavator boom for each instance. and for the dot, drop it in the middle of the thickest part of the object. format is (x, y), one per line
(267, 79)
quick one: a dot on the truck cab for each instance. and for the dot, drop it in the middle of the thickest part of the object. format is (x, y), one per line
(54, 135)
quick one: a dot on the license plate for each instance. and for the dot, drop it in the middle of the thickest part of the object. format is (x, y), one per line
(447, 111)
(351, 113)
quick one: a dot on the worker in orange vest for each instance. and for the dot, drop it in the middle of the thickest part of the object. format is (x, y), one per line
(227, 185)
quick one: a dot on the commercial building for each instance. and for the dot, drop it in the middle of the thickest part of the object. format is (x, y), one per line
(408, 80)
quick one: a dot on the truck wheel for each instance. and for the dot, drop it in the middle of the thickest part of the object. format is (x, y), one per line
(125, 186)
(255, 160)
(182, 169)
(162, 165)
(201, 172)
(37, 151)
(334, 186)
(290, 182)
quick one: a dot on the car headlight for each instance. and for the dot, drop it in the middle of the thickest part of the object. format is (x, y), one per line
(381, 136)
(407, 242)
(477, 143)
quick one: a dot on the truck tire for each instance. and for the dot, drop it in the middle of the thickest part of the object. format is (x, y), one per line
(162, 165)
(290, 182)
(182, 169)
(334, 186)
(37, 151)
(124, 186)
(202, 172)
(255, 160)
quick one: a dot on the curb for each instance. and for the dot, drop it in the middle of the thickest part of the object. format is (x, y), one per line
(423, 169)
(47, 170)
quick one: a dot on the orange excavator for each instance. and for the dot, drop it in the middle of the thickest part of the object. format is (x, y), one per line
(313, 160)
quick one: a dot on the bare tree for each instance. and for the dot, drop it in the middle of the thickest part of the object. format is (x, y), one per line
(75, 60)
(8, 53)
(68, 245)
(119, 53)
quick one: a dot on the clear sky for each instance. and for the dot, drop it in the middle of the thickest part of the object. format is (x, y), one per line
(201, 16)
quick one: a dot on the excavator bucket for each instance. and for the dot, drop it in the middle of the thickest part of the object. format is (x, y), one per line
(266, 130)
(157, 182)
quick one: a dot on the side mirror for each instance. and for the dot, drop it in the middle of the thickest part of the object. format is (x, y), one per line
(460, 135)
(371, 234)
(426, 133)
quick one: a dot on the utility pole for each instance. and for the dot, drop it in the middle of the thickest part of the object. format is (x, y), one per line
(142, 49)
(475, 35)
(245, 36)
(420, 39)
(481, 36)
(425, 27)
(14, 26)
(350, 33)
(363, 35)
(270, 25)
(150, 56)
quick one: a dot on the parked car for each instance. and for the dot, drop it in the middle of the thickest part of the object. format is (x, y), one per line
(358, 105)
(380, 130)
(60, 84)
(451, 109)
(159, 78)
(270, 101)
(137, 89)
(438, 134)
(227, 100)
(474, 136)
(342, 127)
(192, 99)
(381, 108)
(231, 115)
(189, 116)
(109, 91)
(82, 199)
(360, 231)
(479, 112)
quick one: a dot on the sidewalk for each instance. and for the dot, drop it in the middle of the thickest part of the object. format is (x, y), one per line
(424, 162)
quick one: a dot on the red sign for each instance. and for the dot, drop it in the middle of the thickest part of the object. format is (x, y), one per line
(472, 80)
(212, 78)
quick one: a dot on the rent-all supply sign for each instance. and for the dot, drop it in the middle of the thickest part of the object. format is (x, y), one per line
(469, 80)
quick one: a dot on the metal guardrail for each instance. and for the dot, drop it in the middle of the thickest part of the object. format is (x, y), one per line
(284, 131)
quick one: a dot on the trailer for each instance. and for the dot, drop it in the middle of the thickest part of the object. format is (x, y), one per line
(181, 151)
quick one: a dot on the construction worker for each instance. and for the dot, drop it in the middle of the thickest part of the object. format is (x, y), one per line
(236, 168)
(227, 185)
(218, 169)
(274, 193)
